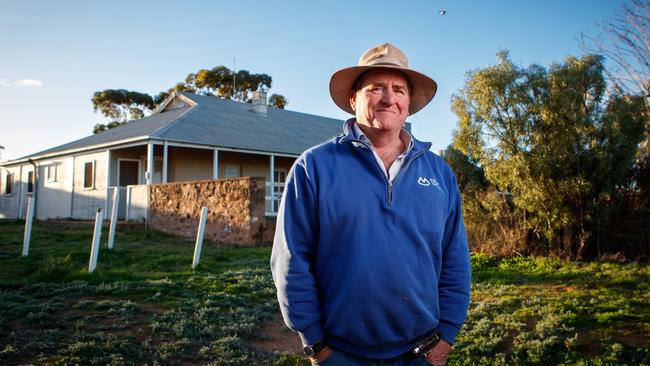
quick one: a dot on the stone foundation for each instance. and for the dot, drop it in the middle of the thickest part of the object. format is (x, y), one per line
(236, 212)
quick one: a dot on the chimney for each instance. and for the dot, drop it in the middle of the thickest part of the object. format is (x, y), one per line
(259, 102)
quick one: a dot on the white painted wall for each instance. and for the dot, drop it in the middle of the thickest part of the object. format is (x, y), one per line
(23, 191)
(9, 204)
(137, 202)
(66, 197)
(54, 197)
(86, 201)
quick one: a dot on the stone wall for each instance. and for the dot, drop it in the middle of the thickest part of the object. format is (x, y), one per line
(235, 209)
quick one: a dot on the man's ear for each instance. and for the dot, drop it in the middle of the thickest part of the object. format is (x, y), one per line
(353, 101)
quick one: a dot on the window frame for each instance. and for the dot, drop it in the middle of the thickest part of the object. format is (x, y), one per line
(226, 167)
(52, 172)
(30, 182)
(277, 185)
(8, 188)
(139, 161)
(92, 173)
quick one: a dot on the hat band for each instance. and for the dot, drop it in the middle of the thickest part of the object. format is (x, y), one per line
(385, 64)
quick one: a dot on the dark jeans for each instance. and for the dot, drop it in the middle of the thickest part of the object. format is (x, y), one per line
(340, 358)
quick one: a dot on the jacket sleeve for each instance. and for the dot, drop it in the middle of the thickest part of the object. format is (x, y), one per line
(455, 276)
(294, 248)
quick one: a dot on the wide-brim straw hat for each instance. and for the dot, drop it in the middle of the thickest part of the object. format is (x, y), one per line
(385, 56)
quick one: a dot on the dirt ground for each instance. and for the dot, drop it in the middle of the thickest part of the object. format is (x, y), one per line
(276, 337)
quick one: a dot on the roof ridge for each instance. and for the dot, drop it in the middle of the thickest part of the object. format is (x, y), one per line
(165, 128)
(243, 105)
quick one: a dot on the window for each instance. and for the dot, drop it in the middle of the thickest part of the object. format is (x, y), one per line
(156, 176)
(51, 172)
(8, 183)
(30, 182)
(231, 171)
(279, 177)
(89, 174)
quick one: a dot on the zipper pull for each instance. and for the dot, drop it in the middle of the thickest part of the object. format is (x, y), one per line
(390, 193)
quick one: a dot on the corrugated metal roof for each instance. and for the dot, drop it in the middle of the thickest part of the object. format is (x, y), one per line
(220, 123)
(141, 128)
(231, 124)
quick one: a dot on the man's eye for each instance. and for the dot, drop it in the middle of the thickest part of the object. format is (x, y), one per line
(377, 89)
(400, 92)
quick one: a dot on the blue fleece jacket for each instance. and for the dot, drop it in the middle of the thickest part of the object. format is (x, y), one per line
(371, 266)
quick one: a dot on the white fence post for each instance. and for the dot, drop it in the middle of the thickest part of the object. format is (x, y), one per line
(128, 202)
(28, 225)
(199, 237)
(111, 231)
(94, 250)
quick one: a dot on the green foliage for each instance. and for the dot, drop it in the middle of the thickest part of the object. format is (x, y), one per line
(101, 127)
(542, 311)
(219, 81)
(144, 305)
(552, 144)
(160, 97)
(120, 106)
(278, 101)
(469, 174)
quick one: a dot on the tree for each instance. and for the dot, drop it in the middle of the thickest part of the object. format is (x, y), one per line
(278, 101)
(552, 140)
(160, 97)
(469, 175)
(625, 42)
(181, 87)
(120, 106)
(219, 81)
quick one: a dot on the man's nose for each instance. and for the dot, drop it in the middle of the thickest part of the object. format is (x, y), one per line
(388, 97)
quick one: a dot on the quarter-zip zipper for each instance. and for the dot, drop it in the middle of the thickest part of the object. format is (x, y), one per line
(399, 174)
(389, 184)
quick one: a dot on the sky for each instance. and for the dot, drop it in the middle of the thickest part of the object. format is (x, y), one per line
(55, 54)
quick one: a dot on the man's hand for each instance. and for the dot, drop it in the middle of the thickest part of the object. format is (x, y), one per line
(322, 355)
(438, 354)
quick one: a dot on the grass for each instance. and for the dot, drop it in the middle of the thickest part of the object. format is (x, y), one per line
(541, 311)
(145, 305)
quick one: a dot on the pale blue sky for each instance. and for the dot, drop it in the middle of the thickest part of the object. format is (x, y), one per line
(74, 48)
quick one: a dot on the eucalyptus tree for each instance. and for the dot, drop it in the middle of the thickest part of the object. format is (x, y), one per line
(554, 141)
(278, 101)
(120, 106)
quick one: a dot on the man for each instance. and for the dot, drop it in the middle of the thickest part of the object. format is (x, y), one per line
(370, 250)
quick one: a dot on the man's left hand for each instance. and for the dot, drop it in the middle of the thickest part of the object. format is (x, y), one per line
(439, 353)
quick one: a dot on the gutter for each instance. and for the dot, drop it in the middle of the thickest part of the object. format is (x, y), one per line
(75, 150)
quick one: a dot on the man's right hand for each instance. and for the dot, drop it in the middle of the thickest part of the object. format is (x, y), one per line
(438, 355)
(321, 356)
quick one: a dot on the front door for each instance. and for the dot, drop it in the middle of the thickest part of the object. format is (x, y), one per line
(128, 171)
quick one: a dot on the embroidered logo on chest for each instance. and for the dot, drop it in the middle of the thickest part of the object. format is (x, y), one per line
(429, 182)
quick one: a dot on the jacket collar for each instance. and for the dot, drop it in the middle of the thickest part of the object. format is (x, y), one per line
(348, 136)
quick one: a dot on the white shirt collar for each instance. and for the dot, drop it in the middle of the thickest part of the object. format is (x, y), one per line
(404, 135)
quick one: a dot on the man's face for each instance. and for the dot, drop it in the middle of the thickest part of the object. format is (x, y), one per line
(383, 100)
